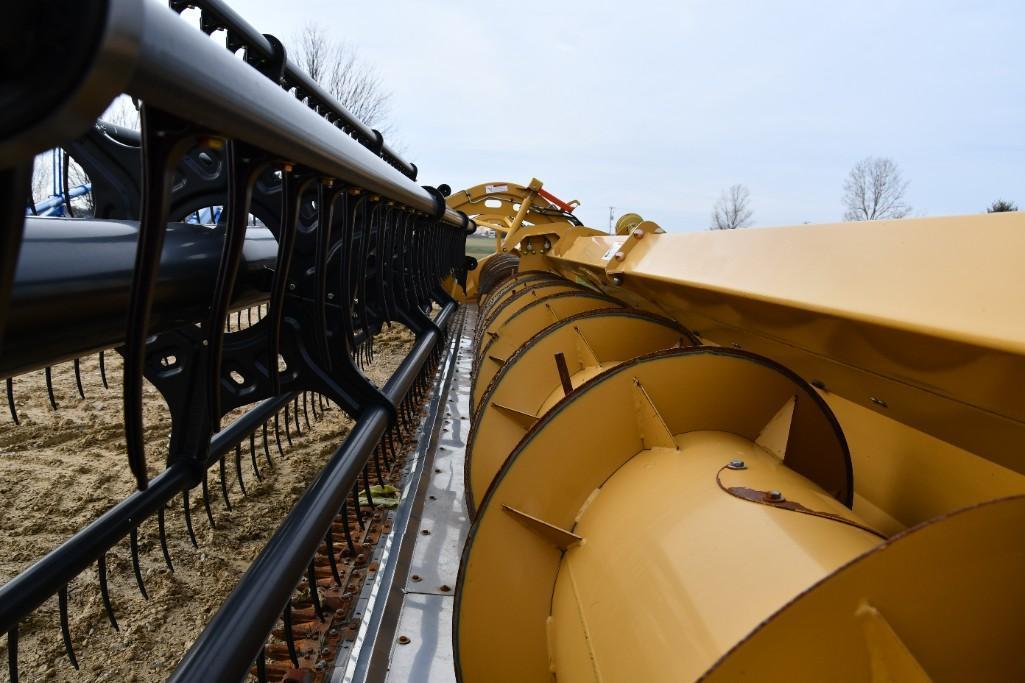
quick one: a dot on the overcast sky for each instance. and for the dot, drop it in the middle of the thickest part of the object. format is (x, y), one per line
(655, 107)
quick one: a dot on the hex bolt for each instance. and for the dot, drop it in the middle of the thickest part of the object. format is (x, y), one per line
(774, 497)
(330, 296)
(879, 402)
(404, 640)
(617, 280)
(291, 286)
(638, 233)
(416, 577)
(446, 589)
(737, 464)
(620, 256)
(425, 532)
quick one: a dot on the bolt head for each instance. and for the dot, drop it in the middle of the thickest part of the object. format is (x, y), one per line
(403, 640)
(775, 496)
(737, 464)
(620, 256)
(291, 286)
(638, 233)
(617, 280)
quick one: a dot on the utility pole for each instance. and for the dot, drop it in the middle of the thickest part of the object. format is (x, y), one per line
(612, 212)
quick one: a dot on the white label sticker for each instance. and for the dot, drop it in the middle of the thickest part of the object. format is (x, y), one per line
(492, 189)
(612, 250)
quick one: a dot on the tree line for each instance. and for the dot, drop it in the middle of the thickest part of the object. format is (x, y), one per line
(875, 189)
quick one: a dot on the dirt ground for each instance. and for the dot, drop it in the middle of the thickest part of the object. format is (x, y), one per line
(60, 470)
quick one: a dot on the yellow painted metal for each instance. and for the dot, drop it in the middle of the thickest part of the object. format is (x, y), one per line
(512, 286)
(599, 552)
(528, 381)
(662, 527)
(498, 343)
(944, 600)
(501, 343)
(627, 222)
(497, 315)
(512, 238)
(887, 314)
(906, 477)
(672, 569)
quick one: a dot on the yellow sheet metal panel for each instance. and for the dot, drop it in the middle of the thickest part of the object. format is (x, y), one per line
(529, 383)
(508, 574)
(673, 571)
(948, 594)
(503, 342)
(495, 316)
(921, 314)
(909, 476)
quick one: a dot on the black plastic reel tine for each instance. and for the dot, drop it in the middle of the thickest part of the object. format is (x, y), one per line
(101, 571)
(188, 518)
(224, 485)
(261, 665)
(390, 439)
(206, 499)
(332, 562)
(377, 465)
(238, 320)
(162, 530)
(252, 455)
(164, 140)
(12, 653)
(62, 606)
(277, 435)
(311, 581)
(266, 447)
(346, 531)
(306, 414)
(78, 377)
(366, 486)
(356, 504)
(133, 545)
(288, 428)
(49, 387)
(295, 415)
(10, 401)
(286, 619)
(238, 468)
(314, 400)
(249, 315)
(103, 371)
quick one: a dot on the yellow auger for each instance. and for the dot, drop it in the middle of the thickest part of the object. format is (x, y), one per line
(777, 454)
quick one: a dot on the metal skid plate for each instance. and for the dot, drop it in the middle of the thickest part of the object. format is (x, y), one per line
(406, 612)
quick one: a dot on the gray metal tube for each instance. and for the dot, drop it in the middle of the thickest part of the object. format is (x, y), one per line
(70, 293)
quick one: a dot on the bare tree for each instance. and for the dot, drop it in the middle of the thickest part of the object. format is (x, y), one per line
(1000, 206)
(338, 69)
(874, 190)
(123, 112)
(733, 210)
